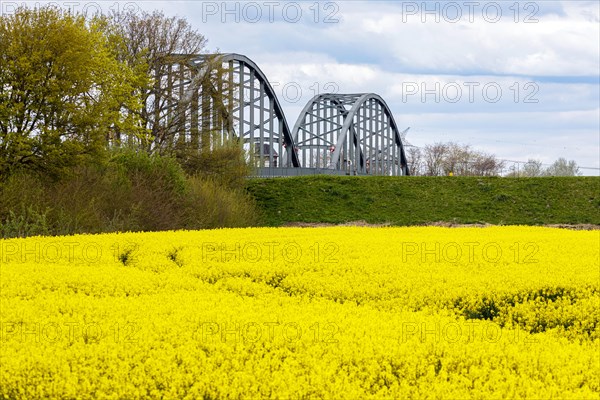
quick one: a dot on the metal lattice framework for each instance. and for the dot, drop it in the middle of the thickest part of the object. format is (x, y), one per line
(355, 133)
(343, 133)
(256, 114)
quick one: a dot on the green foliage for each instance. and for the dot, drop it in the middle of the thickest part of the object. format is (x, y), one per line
(210, 205)
(72, 89)
(61, 91)
(151, 170)
(562, 167)
(133, 191)
(225, 163)
(420, 200)
(27, 223)
(534, 168)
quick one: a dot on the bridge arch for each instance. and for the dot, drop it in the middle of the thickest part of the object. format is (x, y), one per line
(236, 101)
(256, 115)
(355, 133)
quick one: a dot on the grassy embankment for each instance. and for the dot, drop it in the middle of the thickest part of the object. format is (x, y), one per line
(420, 200)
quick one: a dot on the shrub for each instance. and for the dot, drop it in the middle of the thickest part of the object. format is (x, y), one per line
(133, 191)
(225, 164)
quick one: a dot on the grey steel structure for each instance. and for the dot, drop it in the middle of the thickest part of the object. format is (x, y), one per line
(349, 134)
(355, 133)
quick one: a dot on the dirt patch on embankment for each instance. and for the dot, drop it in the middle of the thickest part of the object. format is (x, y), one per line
(577, 227)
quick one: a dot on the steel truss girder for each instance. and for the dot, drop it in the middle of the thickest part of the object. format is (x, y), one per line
(236, 102)
(259, 120)
(355, 133)
(359, 130)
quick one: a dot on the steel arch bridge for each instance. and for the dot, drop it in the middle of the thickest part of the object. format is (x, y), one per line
(355, 133)
(346, 134)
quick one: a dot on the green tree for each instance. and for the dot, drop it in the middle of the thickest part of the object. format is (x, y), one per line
(62, 91)
(531, 169)
(562, 167)
(184, 107)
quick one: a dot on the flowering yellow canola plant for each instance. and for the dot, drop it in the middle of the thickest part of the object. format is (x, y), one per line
(345, 312)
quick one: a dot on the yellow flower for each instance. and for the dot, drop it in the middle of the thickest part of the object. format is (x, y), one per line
(325, 313)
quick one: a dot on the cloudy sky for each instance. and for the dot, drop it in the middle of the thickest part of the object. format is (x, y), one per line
(516, 79)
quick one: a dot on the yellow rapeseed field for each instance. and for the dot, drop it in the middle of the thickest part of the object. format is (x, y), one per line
(348, 312)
